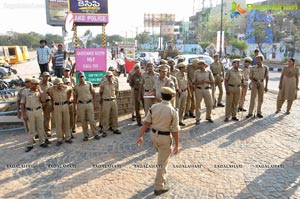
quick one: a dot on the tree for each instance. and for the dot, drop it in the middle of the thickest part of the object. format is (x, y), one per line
(114, 39)
(143, 38)
(260, 34)
(240, 45)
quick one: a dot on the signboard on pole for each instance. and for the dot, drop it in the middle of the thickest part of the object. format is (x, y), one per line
(95, 77)
(56, 11)
(90, 59)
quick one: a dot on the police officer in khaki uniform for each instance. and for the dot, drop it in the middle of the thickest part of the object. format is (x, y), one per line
(246, 73)
(85, 103)
(72, 116)
(173, 70)
(135, 82)
(32, 112)
(47, 106)
(133, 117)
(164, 121)
(218, 71)
(233, 81)
(108, 93)
(60, 95)
(148, 79)
(203, 81)
(182, 91)
(67, 75)
(258, 74)
(19, 97)
(190, 104)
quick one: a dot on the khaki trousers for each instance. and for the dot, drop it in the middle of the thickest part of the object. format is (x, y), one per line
(86, 113)
(47, 108)
(148, 103)
(72, 117)
(206, 95)
(132, 101)
(182, 105)
(110, 112)
(162, 144)
(256, 91)
(218, 83)
(232, 101)
(243, 96)
(137, 105)
(62, 122)
(280, 103)
(190, 103)
(35, 125)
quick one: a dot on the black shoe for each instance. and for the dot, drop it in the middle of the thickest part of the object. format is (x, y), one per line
(260, 116)
(73, 131)
(133, 118)
(69, 141)
(181, 124)
(48, 135)
(186, 116)
(58, 143)
(111, 129)
(226, 120)
(33, 141)
(36, 136)
(104, 134)
(72, 136)
(47, 141)
(117, 132)
(100, 126)
(214, 106)
(97, 137)
(191, 115)
(85, 139)
(44, 145)
(210, 120)
(249, 115)
(235, 119)
(159, 192)
(220, 105)
(140, 124)
(288, 112)
(197, 122)
(29, 148)
(277, 111)
(244, 110)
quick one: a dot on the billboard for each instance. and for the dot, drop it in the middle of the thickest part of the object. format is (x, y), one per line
(56, 11)
(155, 20)
(89, 12)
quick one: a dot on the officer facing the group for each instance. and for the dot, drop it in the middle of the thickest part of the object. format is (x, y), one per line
(218, 71)
(33, 113)
(85, 102)
(246, 73)
(182, 91)
(164, 121)
(190, 104)
(233, 81)
(60, 95)
(258, 74)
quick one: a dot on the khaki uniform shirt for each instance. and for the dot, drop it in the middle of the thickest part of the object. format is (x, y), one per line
(217, 68)
(246, 73)
(20, 94)
(148, 80)
(31, 99)
(60, 95)
(135, 81)
(234, 77)
(203, 75)
(163, 117)
(158, 84)
(182, 80)
(259, 73)
(174, 79)
(44, 88)
(73, 81)
(191, 72)
(84, 92)
(109, 89)
(174, 72)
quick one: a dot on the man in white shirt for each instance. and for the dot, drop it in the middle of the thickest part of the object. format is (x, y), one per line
(226, 62)
(121, 62)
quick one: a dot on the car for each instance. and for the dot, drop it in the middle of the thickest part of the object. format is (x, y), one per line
(188, 58)
(148, 56)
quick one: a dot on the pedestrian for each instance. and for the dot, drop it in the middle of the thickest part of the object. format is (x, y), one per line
(218, 73)
(121, 61)
(32, 112)
(108, 100)
(60, 95)
(47, 105)
(58, 62)
(73, 117)
(182, 91)
(203, 81)
(258, 74)
(85, 103)
(44, 56)
(226, 62)
(288, 86)
(244, 85)
(164, 121)
(256, 53)
(233, 80)
(135, 82)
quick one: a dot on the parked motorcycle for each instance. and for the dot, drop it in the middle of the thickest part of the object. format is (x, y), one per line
(5, 71)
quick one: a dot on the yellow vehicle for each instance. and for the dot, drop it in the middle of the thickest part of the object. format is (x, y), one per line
(25, 53)
(15, 54)
(4, 55)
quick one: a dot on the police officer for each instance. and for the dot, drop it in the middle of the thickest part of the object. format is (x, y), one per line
(190, 104)
(218, 71)
(108, 93)
(133, 117)
(202, 81)
(19, 97)
(47, 106)
(85, 103)
(233, 81)
(246, 73)
(60, 95)
(164, 121)
(73, 119)
(173, 70)
(182, 91)
(32, 112)
(67, 75)
(258, 74)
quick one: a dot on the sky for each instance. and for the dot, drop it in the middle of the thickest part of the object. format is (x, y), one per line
(125, 16)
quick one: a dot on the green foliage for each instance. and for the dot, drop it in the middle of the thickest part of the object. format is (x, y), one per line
(235, 56)
(240, 45)
(204, 44)
(143, 38)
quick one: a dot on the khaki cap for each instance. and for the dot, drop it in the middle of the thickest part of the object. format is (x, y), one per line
(167, 90)
(260, 56)
(163, 67)
(46, 74)
(109, 73)
(216, 54)
(67, 80)
(202, 61)
(137, 66)
(162, 61)
(195, 61)
(236, 60)
(81, 74)
(171, 61)
(27, 79)
(181, 65)
(58, 81)
(249, 59)
(34, 81)
(149, 63)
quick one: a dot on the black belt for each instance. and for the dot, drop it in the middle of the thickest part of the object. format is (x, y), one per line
(47, 100)
(258, 80)
(82, 102)
(60, 103)
(216, 74)
(70, 102)
(161, 132)
(234, 85)
(203, 87)
(112, 99)
(32, 109)
(183, 90)
(147, 90)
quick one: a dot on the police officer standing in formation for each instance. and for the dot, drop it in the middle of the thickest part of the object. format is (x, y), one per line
(148, 79)
(73, 119)
(67, 74)
(190, 104)
(182, 91)
(173, 70)
(218, 71)
(85, 103)
(108, 93)
(246, 73)
(47, 106)
(133, 117)
(19, 97)
(60, 95)
(258, 74)
(32, 112)
(233, 81)
(174, 80)
(203, 81)
(164, 121)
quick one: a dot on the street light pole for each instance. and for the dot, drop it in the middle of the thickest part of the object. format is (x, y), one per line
(221, 35)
